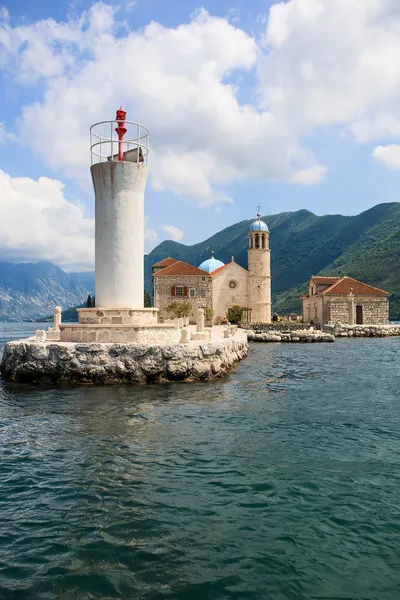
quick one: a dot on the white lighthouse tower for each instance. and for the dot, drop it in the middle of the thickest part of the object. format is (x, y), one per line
(119, 173)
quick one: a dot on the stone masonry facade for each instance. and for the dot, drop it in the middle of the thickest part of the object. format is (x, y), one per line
(373, 311)
(195, 289)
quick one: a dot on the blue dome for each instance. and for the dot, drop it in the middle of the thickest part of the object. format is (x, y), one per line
(211, 264)
(259, 226)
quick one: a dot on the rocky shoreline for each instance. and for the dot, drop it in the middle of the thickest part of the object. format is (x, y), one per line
(294, 336)
(110, 363)
(363, 330)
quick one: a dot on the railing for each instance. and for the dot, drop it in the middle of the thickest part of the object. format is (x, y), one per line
(109, 147)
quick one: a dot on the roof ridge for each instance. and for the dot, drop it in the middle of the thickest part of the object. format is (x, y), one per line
(331, 288)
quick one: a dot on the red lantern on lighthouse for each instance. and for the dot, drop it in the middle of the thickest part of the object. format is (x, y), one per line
(120, 117)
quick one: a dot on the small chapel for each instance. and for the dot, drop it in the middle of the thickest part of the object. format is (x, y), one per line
(219, 286)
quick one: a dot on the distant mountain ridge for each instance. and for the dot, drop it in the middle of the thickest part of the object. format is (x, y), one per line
(365, 246)
(31, 290)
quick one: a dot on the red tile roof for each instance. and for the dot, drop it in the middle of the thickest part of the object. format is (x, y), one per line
(181, 268)
(347, 285)
(166, 262)
(319, 280)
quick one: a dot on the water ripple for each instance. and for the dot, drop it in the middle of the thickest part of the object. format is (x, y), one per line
(281, 482)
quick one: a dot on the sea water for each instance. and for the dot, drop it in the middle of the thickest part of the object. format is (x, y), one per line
(280, 482)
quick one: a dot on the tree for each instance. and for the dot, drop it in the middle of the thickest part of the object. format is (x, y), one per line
(147, 300)
(89, 302)
(208, 313)
(179, 309)
(235, 314)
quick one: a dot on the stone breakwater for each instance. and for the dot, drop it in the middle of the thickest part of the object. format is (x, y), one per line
(108, 363)
(305, 336)
(362, 330)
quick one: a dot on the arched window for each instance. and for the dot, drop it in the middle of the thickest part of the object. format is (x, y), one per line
(250, 242)
(263, 240)
(257, 241)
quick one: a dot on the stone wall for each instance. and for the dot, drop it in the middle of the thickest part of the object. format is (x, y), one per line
(275, 327)
(312, 310)
(55, 362)
(339, 311)
(375, 309)
(159, 334)
(342, 309)
(163, 285)
(224, 295)
(117, 316)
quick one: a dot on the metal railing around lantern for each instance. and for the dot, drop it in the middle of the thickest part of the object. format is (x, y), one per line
(115, 146)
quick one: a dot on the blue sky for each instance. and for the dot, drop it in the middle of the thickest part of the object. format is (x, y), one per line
(246, 101)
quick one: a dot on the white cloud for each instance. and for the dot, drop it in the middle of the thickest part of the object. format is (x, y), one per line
(332, 63)
(180, 82)
(388, 156)
(311, 176)
(184, 84)
(150, 235)
(38, 223)
(175, 234)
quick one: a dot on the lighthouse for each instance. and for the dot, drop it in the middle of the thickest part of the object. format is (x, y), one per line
(119, 157)
(119, 174)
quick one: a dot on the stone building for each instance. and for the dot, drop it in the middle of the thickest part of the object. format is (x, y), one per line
(177, 281)
(344, 300)
(221, 286)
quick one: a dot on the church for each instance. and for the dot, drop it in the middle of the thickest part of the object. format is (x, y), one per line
(218, 286)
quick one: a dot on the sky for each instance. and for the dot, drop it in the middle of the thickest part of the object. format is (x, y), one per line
(289, 105)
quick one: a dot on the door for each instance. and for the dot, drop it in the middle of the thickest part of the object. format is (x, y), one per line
(359, 315)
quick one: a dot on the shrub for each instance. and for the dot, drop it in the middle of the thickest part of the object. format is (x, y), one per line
(235, 314)
(208, 313)
(179, 309)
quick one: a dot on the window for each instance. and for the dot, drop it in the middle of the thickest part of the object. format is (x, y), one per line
(192, 293)
(203, 278)
(179, 291)
(232, 284)
(202, 293)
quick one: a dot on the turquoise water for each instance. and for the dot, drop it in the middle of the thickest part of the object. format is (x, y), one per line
(281, 482)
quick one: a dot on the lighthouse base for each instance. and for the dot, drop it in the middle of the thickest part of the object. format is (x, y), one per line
(120, 325)
(118, 316)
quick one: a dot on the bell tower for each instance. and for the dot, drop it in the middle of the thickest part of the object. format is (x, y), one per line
(259, 266)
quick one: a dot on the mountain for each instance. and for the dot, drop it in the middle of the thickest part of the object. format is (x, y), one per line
(29, 290)
(86, 279)
(365, 246)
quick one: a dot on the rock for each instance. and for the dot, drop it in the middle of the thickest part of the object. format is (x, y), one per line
(119, 363)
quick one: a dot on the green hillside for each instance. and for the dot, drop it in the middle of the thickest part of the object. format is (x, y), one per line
(365, 246)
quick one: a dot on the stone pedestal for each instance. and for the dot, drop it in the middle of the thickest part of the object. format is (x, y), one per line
(124, 325)
(118, 316)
